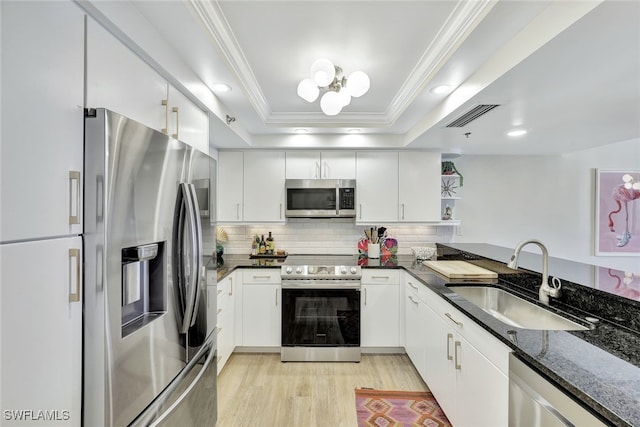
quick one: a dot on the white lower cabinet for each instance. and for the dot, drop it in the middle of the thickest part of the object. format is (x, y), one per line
(471, 389)
(41, 334)
(416, 325)
(226, 295)
(380, 308)
(261, 307)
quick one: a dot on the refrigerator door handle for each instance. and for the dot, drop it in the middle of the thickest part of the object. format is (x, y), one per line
(187, 285)
(194, 212)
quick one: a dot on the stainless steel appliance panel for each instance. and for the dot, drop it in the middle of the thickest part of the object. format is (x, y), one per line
(535, 402)
(133, 175)
(320, 198)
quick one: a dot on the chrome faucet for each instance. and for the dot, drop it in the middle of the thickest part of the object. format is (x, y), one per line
(545, 291)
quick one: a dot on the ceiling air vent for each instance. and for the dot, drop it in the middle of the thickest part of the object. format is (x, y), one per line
(471, 115)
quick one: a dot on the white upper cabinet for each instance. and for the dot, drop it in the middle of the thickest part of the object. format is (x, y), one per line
(117, 79)
(42, 120)
(419, 186)
(264, 176)
(321, 164)
(187, 122)
(230, 186)
(377, 186)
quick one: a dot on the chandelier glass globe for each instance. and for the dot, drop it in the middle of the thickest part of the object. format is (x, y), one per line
(358, 83)
(323, 72)
(308, 90)
(330, 103)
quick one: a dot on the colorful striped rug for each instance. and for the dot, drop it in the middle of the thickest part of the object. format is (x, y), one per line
(384, 408)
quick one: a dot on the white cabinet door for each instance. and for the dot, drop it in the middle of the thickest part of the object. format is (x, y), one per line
(41, 336)
(303, 164)
(226, 294)
(482, 391)
(413, 336)
(377, 192)
(338, 165)
(119, 80)
(42, 120)
(380, 315)
(261, 315)
(187, 122)
(264, 176)
(321, 165)
(440, 372)
(230, 186)
(419, 186)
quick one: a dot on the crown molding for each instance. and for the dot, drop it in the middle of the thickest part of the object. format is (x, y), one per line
(464, 18)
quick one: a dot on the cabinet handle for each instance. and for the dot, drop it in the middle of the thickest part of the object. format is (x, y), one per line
(218, 331)
(237, 210)
(453, 320)
(175, 110)
(261, 277)
(219, 291)
(414, 287)
(165, 129)
(230, 286)
(317, 169)
(360, 210)
(412, 300)
(74, 275)
(280, 210)
(449, 338)
(455, 350)
(403, 211)
(326, 170)
(74, 196)
(381, 277)
(219, 311)
(365, 296)
(276, 297)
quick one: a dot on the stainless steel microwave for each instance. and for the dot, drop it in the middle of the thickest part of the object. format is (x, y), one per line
(320, 198)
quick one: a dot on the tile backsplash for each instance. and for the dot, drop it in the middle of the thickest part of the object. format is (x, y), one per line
(330, 236)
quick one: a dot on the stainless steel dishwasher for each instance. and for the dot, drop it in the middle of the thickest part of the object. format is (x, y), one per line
(535, 402)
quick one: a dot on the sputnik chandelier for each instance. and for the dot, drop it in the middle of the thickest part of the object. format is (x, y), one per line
(339, 89)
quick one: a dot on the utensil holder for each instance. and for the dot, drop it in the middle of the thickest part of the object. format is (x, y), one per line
(373, 250)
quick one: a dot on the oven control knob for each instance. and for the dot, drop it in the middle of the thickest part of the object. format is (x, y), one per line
(288, 270)
(298, 270)
(343, 270)
(353, 270)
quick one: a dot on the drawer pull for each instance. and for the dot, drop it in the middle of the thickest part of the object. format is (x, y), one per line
(381, 277)
(412, 300)
(453, 320)
(261, 277)
(457, 362)
(414, 287)
(219, 292)
(219, 311)
(449, 338)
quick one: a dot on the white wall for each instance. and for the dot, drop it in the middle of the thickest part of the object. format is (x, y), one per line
(507, 199)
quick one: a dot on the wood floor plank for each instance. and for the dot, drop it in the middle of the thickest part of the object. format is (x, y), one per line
(258, 389)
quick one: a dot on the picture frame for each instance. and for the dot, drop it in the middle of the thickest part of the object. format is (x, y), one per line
(617, 213)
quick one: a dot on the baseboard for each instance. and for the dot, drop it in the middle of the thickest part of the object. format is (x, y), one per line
(365, 350)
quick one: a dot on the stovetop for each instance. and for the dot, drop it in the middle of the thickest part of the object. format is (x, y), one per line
(321, 267)
(321, 260)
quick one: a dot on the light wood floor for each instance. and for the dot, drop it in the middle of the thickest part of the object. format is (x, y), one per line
(259, 390)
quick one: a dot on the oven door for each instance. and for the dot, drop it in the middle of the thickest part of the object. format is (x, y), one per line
(320, 317)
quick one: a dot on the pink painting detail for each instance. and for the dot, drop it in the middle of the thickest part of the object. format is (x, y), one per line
(619, 213)
(617, 282)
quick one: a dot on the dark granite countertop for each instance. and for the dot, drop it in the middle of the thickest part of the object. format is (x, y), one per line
(599, 366)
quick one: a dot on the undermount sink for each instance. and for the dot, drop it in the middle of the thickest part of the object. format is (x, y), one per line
(515, 311)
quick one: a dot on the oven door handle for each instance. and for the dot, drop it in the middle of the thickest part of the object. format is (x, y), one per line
(321, 284)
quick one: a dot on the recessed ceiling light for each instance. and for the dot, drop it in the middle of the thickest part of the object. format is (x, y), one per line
(441, 89)
(517, 132)
(353, 131)
(221, 87)
(301, 131)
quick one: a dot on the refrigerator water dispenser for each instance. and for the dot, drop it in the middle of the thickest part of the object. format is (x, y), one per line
(142, 286)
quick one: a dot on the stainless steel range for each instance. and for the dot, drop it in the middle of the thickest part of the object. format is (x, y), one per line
(321, 310)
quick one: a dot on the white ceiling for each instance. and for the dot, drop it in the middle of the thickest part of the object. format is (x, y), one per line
(567, 71)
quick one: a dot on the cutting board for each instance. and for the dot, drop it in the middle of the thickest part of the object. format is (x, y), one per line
(460, 270)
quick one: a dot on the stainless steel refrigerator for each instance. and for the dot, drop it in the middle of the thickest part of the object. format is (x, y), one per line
(148, 357)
